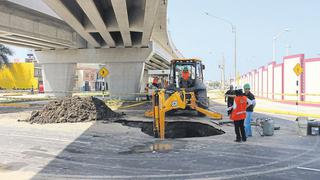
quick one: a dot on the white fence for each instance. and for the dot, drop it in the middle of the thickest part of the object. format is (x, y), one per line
(279, 81)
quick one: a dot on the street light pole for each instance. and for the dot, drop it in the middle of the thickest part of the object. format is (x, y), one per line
(274, 42)
(233, 27)
(235, 52)
(222, 67)
(274, 49)
(287, 49)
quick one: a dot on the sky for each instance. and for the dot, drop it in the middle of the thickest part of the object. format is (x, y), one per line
(256, 21)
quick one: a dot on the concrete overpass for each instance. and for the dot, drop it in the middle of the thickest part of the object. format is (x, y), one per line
(129, 36)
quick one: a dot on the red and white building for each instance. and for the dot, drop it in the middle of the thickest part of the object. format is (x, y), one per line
(279, 81)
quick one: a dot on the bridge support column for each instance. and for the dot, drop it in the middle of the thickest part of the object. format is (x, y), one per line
(125, 65)
(124, 79)
(144, 81)
(59, 78)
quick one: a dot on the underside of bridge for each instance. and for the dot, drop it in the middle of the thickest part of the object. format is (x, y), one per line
(128, 36)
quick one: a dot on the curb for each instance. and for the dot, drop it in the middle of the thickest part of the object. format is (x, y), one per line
(13, 105)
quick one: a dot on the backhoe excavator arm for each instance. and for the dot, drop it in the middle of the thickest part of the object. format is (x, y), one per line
(161, 105)
(177, 100)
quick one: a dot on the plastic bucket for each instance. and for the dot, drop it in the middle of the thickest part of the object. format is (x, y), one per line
(302, 123)
(268, 127)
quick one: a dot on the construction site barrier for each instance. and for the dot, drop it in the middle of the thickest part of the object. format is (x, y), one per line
(18, 76)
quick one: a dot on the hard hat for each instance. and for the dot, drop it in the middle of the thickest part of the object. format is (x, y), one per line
(185, 68)
(246, 86)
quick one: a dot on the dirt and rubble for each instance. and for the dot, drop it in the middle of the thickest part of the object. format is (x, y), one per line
(73, 109)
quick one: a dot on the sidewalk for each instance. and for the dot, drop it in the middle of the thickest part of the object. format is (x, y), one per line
(21, 97)
(268, 106)
(286, 109)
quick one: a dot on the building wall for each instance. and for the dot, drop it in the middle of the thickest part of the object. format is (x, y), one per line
(270, 80)
(312, 83)
(279, 81)
(260, 82)
(256, 82)
(251, 82)
(265, 83)
(290, 78)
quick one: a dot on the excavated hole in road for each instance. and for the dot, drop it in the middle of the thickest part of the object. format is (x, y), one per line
(178, 129)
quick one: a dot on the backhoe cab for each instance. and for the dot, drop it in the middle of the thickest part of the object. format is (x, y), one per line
(194, 83)
(186, 91)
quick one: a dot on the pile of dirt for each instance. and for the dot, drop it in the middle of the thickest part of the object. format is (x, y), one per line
(73, 109)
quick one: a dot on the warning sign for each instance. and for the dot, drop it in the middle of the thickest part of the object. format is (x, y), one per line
(103, 72)
(298, 69)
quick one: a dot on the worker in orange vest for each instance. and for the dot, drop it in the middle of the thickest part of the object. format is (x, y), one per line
(241, 102)
(185, 73)
(155, 82)
(185, 78)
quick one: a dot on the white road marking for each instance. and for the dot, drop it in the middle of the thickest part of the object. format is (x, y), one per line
(46, 139)
(309, 169)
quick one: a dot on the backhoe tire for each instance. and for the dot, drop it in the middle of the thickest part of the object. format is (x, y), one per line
(171, 113)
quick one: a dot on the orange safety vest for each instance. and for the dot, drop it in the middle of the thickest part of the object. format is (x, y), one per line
(185, 75)
(155, 81)
(241, 105)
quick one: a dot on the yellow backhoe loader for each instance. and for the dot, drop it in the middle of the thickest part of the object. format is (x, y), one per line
(186, 91)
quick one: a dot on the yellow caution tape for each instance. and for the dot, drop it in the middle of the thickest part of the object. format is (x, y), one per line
(133, 105)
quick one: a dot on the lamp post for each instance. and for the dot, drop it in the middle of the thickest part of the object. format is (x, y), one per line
(288, 47)
(233, 28)
(222, 67)
(274, 42)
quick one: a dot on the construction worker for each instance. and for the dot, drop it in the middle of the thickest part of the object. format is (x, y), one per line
(238, 114)
(229, 98)
(155, 82)
(185, 78)
(249, 110)
(146, 89)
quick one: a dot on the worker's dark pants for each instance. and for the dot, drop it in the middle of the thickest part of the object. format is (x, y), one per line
(239, 129)
(229, 105)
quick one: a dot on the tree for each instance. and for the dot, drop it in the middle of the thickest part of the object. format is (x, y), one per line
(216, 84)
(4, 53)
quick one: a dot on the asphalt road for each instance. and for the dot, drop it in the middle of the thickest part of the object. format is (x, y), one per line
(112, 151)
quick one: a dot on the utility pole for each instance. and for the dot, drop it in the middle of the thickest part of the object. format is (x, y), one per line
(233, 27)
(235, 50)
(287, 49)
(275, 38)
(222, 67)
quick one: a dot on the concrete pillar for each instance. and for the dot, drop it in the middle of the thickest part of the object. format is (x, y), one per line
(145, 78)
(126, 66)
(58, 78)
(124, 79)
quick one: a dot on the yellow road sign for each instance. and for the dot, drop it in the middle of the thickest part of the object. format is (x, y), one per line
(298, 69)
(103, 72)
